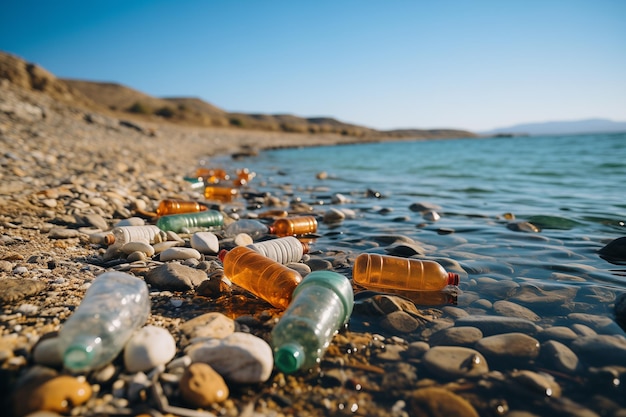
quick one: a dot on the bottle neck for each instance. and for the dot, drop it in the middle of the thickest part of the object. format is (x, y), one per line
(453, 279)
(80, 355)
(289, 357)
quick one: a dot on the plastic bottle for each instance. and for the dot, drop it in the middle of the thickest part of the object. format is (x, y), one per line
(283, 250)
(384, 271)
(223, 194)
(321, 304)
(147, 233)
(212, 175)
(115, 305)
(293, 226)
(262, 276)
(178, 207)
(252, 227)
(244, 176)
(179, 222)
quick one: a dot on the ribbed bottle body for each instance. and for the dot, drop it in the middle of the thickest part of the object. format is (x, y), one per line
(293, 226)
(178, 206)
(384, 271)
(115, 305)
(179, 222)
(262, 276)
(147, 233)
(283, 250)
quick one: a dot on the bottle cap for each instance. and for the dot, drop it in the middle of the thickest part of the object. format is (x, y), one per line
(78, 357)
(339, 284)
(453, 279)
(222, 254)
(289, 357)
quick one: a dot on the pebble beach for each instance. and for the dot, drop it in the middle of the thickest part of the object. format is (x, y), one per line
(70, 175)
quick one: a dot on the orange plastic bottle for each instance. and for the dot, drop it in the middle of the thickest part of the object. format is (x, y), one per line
(293, 226)
(223, 194)
(384, 271)
(212, 175)
(244, 176)
(262, 276)
(178, 207)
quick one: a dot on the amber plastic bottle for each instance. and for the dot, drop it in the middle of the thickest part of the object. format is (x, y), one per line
(283, 250)
(178, 207)
(212, 175)
(223, 194)
(244, 176)
(179, 222)
(294, 226)
(262, 276)
(385, 271)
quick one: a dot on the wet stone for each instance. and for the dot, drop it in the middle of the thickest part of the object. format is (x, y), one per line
(536, 383)
(510, 309)
(399, 321)
(558, 356)
(405, 249)
(175, 277)
(509, 345)
(454, 362)
(601, 350)
(614, 251)
(559, 333)
(620, 310)
(456, 336)
(601, 324)
(491, 325)
(200, 386)
(439, 402)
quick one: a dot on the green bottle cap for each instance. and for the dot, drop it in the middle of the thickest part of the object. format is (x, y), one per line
(289, 357)
(339, 284)
(78, 357)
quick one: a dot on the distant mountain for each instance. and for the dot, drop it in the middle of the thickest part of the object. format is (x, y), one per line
(562, 128)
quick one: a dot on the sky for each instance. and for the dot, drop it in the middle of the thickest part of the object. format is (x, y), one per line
(465, 64)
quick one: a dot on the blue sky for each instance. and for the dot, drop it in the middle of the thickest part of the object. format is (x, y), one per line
(466, 64)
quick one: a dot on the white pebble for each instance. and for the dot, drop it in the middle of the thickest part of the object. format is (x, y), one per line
(47, 352)
(131, 247)
(243, 239)
(431, 215)
(149, 347)
(28, 309)
(131, 221)
(205, 242)
(177, 253)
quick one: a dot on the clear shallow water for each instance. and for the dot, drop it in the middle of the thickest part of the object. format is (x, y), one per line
(571, 187)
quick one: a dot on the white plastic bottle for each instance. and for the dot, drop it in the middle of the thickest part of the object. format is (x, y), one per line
(148, 233)
(115, 305)
(283, 250)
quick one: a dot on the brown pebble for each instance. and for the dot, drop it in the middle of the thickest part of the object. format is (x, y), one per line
(201, 386)
(439, 402)
(59, 394)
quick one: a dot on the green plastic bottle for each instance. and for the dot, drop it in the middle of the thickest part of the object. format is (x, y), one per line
(320, 305)
(178, 222)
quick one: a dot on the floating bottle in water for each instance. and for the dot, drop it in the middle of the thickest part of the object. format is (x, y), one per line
(179, 222)
(262, 276)
(321, 304)
(219, 193)
(294, 226)
(178, 207)
(284, 250)
(385, 271)
(115, 305)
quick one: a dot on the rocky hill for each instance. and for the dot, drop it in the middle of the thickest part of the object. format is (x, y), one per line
(122, 101)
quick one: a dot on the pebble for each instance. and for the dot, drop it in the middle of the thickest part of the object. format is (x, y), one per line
(431, 216)
(62, 233)
(178, 254)
(205, 242)
(58, 394)
(424, 206)
(200, 386)
(510, 309)
(175, 277)
(491, 325)
(46, 352)
(601, 324)
(439, 402)
(333, 215)
(509, 345)
(456, 336)
(560, 357)
(542, 384)
(601, 350)
(614, 251)
(149, 347)
(210, 325)
(240, 357)
(142, 247)
(243, 239)
(15, 289)
(453, 362)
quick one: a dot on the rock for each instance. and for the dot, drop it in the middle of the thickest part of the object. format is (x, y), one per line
(12, 290)
(424, 206)
(560, 333)
(431, 216)
(176, 277)
(405, 249)
(614, 251)
(522, 226)
(509, 309)
(241, 357)
(452, 362)
(205, 242)
(601, 350)
(456, 336)
(333, 215)
(178, 253)
(200, 386)
(509, 345)
(399, 321)
(211, 325)
(491, 325)
(46, 352)
(62, 233)
(130, 247)
(58, 394)
(558, 356)
(243, 239)
(536, 383)
(601, 324)
(439, 402)
(149, 347)
(620, 310)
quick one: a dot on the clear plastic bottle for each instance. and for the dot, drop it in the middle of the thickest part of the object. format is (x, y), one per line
(115, 305)
(385, 271)
(178, 207)
(283, 250)
(321, 304)
(179, 222)
(148, 233)
(293, 226)
(262, 276)
(254, 228)
(218, 193)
